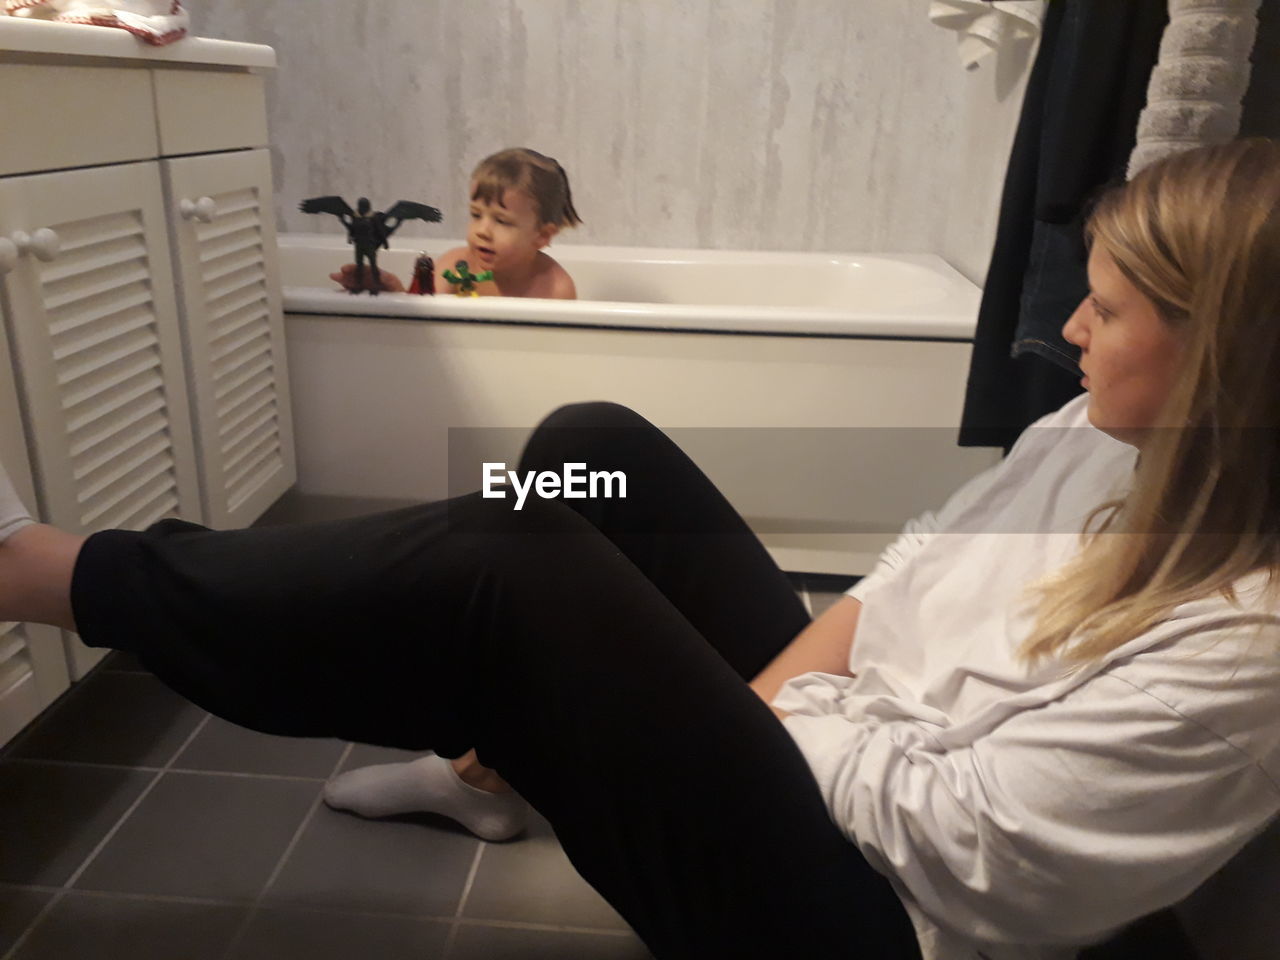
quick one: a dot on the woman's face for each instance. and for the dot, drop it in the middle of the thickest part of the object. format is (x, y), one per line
(1128, 354)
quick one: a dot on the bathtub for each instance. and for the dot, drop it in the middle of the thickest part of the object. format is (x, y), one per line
(821, 392)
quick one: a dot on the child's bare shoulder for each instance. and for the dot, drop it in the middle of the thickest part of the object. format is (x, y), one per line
(556, 280)
(449, 259)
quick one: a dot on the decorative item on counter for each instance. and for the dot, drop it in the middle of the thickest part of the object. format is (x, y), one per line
(368, 229)
(30, 8)
(424, 275)
(157, 22)
(465, 280)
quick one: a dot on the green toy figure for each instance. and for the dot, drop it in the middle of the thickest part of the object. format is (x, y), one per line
(465, 280)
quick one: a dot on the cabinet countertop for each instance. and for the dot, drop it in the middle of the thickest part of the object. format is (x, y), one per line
(20, 35)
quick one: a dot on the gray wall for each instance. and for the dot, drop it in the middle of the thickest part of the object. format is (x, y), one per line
(767, 124)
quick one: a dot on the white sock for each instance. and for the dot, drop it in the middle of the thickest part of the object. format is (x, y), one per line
(427, 785)
(13, 513)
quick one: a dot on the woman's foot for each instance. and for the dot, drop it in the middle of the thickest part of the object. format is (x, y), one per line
(429, 785)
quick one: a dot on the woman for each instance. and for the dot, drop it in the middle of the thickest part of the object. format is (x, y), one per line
(1010, 737)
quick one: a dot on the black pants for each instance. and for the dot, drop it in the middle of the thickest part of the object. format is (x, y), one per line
(594, 652)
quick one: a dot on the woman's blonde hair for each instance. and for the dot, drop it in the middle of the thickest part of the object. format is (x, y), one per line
(1199, 235)
(542, 178)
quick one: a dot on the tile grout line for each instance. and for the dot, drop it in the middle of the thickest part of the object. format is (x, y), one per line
(534, 925)
(232, 902)
(69, 883)
(306, 821)
(285, 777)
(136, 803)
(39, 887)
(41, 761)
(456, 922)
(462, 901)
(142, 897)
(467, 884)
(324, 910)
(186, 770)
(35, 922)
(234, 944)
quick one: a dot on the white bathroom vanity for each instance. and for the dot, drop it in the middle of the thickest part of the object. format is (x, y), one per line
(142, 371)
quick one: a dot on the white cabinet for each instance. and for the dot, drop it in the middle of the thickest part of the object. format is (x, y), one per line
(70, 115)
(144, 310)
(229, 291)
(33, 670)
(98, 350)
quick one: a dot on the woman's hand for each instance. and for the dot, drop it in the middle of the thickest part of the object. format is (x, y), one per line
(390, 283)
(823, 646)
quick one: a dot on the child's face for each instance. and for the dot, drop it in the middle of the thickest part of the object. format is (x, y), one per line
(507, 235)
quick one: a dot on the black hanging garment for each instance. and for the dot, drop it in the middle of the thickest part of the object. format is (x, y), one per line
(1260, 112)
(1078, 126)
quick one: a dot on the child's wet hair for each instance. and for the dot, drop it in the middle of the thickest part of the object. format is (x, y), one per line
(541, 177)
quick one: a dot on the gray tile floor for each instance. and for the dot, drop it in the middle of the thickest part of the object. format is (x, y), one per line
(138, 827)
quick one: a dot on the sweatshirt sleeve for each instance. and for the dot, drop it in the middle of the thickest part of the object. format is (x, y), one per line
(1069, 818)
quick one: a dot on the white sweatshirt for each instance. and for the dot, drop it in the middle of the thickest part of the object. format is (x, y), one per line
(1022, 813)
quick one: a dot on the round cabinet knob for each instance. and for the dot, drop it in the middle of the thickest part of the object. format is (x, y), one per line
(203, 209)
(43, 244)
(8, 255)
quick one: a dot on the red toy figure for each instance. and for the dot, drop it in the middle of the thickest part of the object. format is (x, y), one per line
(424, 275)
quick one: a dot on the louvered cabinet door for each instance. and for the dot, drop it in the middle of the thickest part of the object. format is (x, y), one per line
(33, 667)
(97, 348)
(228, 282)
(33, 671)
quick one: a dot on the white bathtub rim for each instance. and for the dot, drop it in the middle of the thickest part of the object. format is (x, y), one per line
(411, 245)
(955, 320)
(775, 321)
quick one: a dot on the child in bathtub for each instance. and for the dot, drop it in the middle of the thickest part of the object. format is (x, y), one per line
(519, 200)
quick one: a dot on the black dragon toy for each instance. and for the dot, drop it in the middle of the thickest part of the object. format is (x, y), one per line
(367, 229)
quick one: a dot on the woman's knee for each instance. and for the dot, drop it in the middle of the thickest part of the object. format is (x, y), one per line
(593, 414)
(512, 517)
(601, 434)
